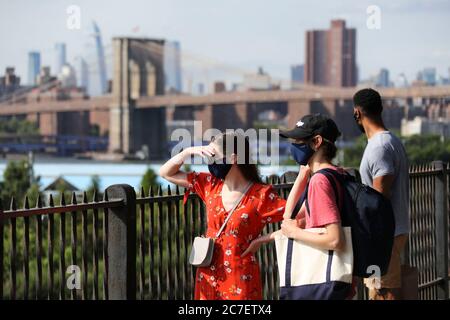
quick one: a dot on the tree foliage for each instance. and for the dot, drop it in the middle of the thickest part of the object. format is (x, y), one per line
(149, 179)
(18, 126)
(18, 182)
(420, 149)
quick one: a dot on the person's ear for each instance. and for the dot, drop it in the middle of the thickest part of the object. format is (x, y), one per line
(317, 142)
(357, 114)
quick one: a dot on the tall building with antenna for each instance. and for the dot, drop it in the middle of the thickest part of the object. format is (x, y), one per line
(99, 78)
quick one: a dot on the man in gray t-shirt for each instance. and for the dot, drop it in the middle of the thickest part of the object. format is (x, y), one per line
(385, 156)
(384, 167)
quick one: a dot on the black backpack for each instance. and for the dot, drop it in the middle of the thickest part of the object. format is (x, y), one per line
(371, 218)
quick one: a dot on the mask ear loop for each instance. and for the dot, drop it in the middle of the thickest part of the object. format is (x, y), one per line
(311, 141)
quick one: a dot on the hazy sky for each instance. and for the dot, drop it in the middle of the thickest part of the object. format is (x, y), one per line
(241, 34)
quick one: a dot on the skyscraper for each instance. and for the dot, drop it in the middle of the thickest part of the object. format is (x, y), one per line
(99, 80)
(427, 75)
(297, 74)
(200, 89)
(383, 78)
(61, 58)
(172, 66)
(34, 67)
(331, 56)
(82, 72)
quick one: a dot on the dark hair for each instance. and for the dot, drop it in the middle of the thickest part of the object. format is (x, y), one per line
(248, 170)
(329, 150)
(369, 101)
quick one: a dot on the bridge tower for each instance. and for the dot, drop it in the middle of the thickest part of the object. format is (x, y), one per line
(138, 71)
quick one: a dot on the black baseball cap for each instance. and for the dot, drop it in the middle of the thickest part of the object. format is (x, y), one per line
(311, 125)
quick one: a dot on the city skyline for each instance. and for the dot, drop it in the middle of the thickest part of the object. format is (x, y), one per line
(205, 30)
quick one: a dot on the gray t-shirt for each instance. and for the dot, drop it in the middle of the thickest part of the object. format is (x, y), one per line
(385, 155)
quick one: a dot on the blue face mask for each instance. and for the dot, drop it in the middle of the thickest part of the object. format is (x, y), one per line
(301, 152)
(219, 170)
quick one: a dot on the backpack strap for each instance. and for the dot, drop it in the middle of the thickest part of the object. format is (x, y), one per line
(334, 176)
(331, 175)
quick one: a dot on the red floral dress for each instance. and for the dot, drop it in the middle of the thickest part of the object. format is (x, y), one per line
(229, 276)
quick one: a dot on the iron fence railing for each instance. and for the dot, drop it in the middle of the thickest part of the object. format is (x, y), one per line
(138, 246)
(36, 264)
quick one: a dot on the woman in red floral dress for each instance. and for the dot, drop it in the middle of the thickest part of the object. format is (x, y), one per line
(234, 271)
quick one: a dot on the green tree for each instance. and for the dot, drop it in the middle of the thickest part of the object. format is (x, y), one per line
(18, 126)
(352, 155)
(94, 186)
(32, 193)
(427, 148)
(17, 182)
(419, 148)
(149, 179)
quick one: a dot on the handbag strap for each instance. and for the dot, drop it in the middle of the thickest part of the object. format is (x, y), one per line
(234, 208)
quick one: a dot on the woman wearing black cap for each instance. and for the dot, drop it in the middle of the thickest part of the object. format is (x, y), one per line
(313, 148)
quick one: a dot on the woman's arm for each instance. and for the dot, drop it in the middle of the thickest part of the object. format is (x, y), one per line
(296, 191)
(332, 239)
(257, 243)
(171, 169)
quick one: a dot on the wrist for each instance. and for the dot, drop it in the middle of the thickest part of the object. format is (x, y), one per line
(261, 239)
(297, 234)
(186, 152)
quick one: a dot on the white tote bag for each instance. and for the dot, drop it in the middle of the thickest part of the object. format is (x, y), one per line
(309, 273)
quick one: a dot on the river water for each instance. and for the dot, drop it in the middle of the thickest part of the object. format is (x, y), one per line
(80, 172)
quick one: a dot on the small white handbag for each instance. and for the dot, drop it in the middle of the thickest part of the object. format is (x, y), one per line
(203, 247)
(310, 273)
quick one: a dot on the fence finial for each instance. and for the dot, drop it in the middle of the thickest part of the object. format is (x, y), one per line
(26, 203)
(50, 200)
(13, 205)
(74, 198)
(39, 201)
(62, 200)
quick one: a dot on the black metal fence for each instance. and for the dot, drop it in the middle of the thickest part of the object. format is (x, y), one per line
(428, 246)
(137, 246)
(39, 245)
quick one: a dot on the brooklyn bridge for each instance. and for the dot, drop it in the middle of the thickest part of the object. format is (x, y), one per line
(137, 112)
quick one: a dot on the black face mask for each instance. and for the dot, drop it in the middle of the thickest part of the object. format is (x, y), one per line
(360, 126)
(219, 170)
